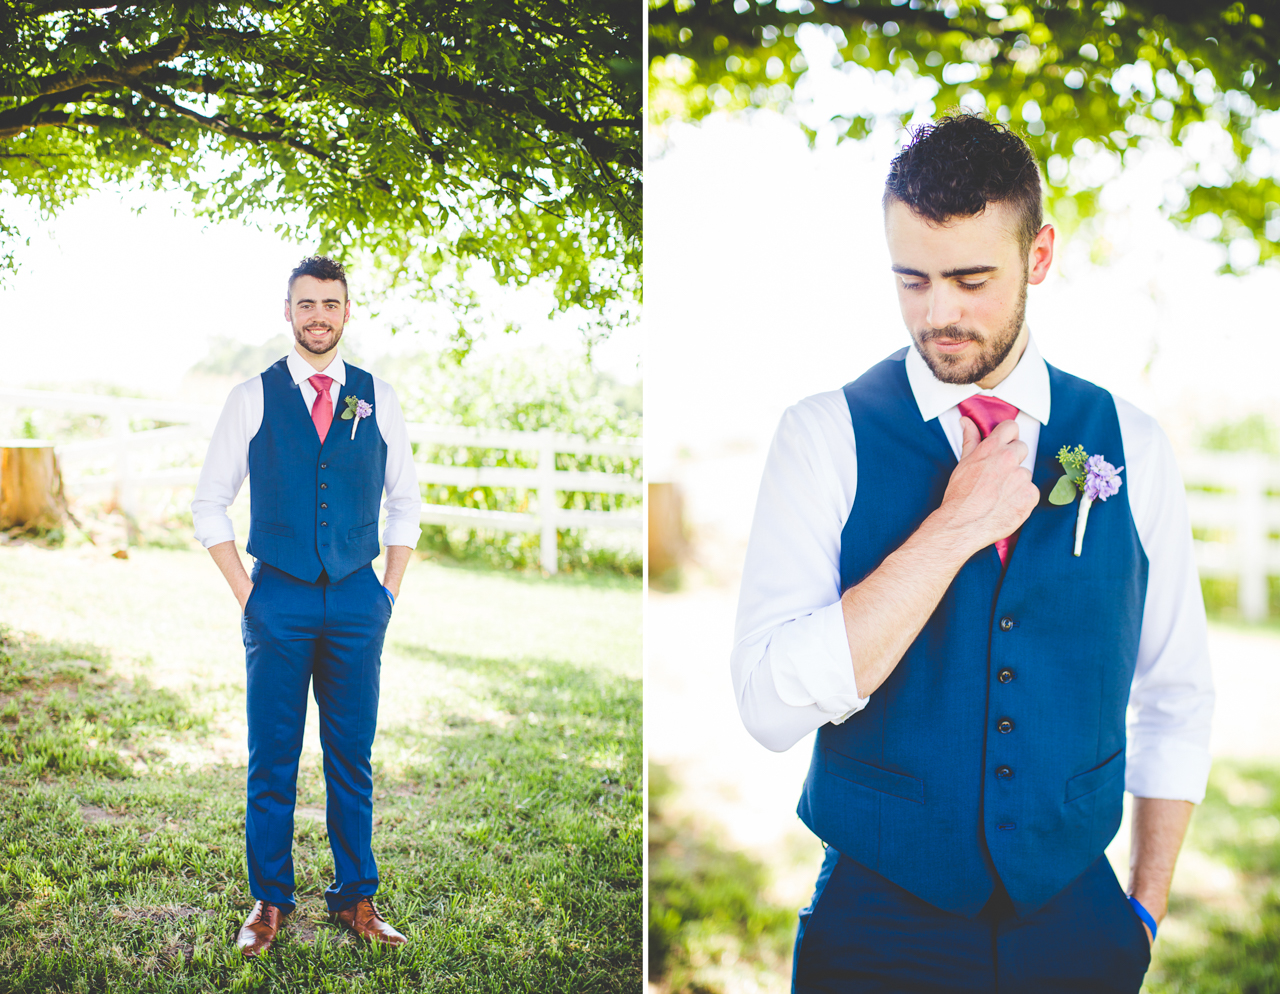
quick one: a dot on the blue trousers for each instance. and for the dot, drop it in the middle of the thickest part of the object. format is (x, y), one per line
(329, 636)
(862, 933)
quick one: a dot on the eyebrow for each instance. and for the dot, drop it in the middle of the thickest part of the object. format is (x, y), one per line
(311, 300)
(947, 274)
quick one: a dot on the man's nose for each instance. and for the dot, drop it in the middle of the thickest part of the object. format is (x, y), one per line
(944, 307)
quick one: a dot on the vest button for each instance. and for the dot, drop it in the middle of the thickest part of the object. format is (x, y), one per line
(324, 465)
(1003, 773)
(324, 524)
(1006, 624)
(324, 486)
(1004, 725)
(324, 506)
(1005, 675)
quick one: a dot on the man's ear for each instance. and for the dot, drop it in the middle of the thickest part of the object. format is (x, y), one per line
(1040, 257)
(288, 310)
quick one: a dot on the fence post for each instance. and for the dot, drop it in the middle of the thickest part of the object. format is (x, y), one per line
(547, 503)
(1251, 537)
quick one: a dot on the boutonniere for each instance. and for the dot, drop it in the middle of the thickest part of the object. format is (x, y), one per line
(1093, 475)
(356, 409)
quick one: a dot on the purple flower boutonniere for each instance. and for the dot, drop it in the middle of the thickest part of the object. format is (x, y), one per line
(1093, 475)
(356, 409)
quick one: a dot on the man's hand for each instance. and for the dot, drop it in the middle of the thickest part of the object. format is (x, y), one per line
(228, 560)
(988, 497)
(990, 494)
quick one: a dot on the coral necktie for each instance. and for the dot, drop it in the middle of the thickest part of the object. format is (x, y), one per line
(986, 413)
(322, 409)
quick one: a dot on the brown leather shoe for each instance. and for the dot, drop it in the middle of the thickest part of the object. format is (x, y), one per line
(259, 929)
(363, 919)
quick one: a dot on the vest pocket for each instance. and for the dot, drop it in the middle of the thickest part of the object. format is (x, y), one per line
(362, 531)
(1091, 780)
(273, 528)
(873, 777)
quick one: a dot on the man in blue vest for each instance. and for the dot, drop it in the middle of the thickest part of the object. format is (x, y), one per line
(965, 647)
(321, 440)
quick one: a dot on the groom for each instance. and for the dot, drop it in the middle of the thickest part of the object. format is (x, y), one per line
(911, 594)
(320, 440)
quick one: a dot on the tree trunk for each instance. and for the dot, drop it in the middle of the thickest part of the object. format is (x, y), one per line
(31, 496)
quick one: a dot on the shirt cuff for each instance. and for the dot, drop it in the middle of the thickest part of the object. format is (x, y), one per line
(810, 661)
(1167, 768)
(401, 533)
(214, 531)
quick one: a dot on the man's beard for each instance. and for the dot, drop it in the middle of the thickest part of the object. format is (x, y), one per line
(300, 336)
(992, 351)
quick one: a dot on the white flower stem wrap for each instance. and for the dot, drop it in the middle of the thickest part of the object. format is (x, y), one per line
(1082, 517)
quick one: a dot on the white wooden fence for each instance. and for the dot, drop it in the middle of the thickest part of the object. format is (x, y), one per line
(196, 423)
(1241, 518)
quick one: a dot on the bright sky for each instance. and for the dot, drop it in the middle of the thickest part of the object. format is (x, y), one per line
(105, 294)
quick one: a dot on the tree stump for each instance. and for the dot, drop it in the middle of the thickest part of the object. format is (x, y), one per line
(31, 496)
(667, 543)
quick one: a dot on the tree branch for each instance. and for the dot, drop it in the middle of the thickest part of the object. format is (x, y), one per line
(584, 132)
(217, 124)
(98, 73)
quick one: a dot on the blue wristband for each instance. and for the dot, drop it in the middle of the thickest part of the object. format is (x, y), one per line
(392, 596)
(1145, 915)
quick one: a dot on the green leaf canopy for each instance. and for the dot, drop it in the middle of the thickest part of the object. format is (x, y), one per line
(415, 134)
(1074, 76)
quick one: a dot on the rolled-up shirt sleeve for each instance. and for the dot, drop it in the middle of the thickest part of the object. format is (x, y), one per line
(226, 463)
(1171, 702)
(403, 498)
(792, 671)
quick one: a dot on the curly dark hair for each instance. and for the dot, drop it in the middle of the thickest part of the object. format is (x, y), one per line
(956, 166)
(322, 268)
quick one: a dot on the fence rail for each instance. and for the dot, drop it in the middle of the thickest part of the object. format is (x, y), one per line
(195, 423)
(1235, 497)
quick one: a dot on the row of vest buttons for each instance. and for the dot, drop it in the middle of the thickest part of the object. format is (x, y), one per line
(324, 486)
(1005, 725)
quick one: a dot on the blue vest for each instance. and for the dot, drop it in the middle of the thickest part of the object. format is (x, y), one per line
(314, 509)
(996, 747)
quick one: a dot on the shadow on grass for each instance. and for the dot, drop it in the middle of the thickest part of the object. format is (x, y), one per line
(1239, 825)
(509, 853)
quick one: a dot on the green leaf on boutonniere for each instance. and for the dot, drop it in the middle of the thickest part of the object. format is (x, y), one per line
(1063, 492)
(1072, 460)
(350, 412)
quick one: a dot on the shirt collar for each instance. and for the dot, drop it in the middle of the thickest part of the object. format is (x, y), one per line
(1026, 388)
(302, 370)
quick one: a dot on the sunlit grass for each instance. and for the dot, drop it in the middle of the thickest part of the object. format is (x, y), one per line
(507, 807)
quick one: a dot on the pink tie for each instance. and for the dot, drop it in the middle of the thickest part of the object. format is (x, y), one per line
(986, 413)
(322, 409)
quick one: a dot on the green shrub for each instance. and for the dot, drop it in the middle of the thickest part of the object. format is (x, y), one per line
(521, 391)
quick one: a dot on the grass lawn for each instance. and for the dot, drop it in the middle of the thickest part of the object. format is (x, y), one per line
(506, 777)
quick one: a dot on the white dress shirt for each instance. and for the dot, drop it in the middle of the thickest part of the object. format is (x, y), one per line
(792, 671)
(227, 463)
